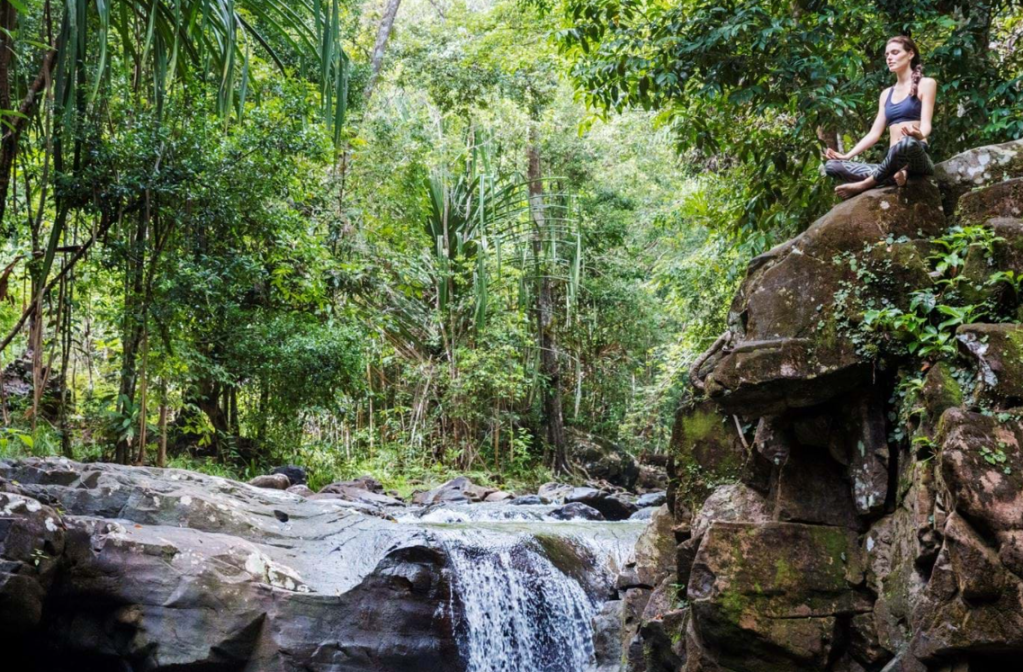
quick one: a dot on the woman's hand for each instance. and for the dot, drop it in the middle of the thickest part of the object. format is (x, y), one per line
(832, 154)
(912, 132)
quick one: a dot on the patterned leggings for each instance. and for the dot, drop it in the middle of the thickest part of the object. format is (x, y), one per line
(908, 153)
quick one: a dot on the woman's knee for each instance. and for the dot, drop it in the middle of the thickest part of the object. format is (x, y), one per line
(910, 145)
(834, 168)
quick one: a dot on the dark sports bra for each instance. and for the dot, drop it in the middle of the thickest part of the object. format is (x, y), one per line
(907, 109)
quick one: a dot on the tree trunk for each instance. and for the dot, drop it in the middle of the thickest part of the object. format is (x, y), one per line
(161, 456)
(132, 329)
(553, 419)
(383, 33)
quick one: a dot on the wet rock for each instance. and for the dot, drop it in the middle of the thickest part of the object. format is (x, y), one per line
(613, 507)
(459, 489)
(644, 514)
(527, 500)
(296, 475)
(499, 496)
(607, 643)
(997, 350)
(651, 499)
(271, 481)
(576, 511)
(602, 459)
(553, 493)
(187, 571)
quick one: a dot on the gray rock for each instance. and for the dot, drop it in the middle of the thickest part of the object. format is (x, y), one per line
(613, 507)
(527, 500)
(651, 499)
(576, 511)
(644, 514)
(499, 496)
(296, 475)
(271, 481)
(175, 570)
(459, 489)
(554, 493)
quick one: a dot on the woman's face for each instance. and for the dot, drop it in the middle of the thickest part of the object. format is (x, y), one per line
(896, 56)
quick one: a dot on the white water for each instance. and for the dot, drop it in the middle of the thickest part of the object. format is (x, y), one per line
(515, 610)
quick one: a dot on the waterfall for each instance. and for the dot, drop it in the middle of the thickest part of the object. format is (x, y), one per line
(524, 593)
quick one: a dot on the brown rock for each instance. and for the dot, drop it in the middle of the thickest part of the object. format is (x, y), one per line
(789, 350)
(271, 482)
(770, 595)
(982, 466)
(997, 350)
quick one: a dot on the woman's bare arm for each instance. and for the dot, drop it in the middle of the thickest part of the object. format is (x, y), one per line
(870, 139)
(928, 92)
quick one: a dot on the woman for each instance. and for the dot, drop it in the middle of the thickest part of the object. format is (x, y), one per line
(906, 109)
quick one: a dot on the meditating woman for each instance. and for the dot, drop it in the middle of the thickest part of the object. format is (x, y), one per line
(906, 109)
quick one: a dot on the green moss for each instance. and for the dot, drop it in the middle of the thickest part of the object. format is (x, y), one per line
(699, 425)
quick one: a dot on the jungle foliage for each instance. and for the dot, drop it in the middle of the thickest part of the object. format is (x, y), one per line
(414, 237)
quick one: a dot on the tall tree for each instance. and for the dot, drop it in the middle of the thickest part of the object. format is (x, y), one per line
(383, 33)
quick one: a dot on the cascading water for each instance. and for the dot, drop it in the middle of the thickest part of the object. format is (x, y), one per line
(525, 587)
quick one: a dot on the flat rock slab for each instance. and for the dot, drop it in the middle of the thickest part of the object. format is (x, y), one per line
(168, 569)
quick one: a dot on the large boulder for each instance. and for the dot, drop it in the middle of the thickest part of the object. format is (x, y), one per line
(602, 459)
(170, 570)
(788, 319)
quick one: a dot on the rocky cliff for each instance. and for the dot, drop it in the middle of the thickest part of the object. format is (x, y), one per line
(849, 494)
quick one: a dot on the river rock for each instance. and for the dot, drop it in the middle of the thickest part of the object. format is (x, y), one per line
(459, 489)
(499, 496)
(602, 459)
(651, 499)
(576, 511)
(176, 570)
(359, 495)
(295, 474)
(527, 500)
(554, 493)
(272, 481)
(613, 507)
(644, 514)
(301, 490)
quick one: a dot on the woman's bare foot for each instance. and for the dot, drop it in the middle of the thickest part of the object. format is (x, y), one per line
(900, 177)
(851, 189)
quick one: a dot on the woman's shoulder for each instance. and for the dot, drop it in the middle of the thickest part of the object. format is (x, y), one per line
(929, 82)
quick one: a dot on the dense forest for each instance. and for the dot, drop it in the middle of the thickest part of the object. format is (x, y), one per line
(414, 238)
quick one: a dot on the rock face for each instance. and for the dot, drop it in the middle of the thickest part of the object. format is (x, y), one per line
(833, 511)
(105, 567)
